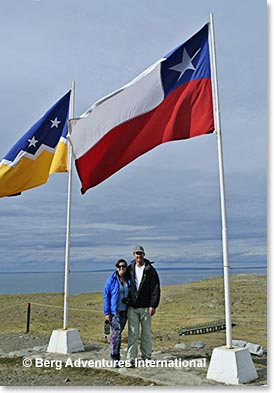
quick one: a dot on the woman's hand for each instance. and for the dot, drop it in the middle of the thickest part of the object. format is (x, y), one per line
(108, 317)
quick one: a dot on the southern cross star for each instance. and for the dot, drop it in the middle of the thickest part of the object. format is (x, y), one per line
(55, 122)
(186, 64)
(32, 141)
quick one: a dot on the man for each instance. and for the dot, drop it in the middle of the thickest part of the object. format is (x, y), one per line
(144, 299)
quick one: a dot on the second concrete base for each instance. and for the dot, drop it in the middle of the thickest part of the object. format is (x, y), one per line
(231, 366)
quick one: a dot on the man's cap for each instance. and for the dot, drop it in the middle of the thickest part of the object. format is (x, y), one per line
(138, 249)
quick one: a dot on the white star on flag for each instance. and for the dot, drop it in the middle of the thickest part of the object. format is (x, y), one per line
(32, 142)
(55, 122)
(186, 63)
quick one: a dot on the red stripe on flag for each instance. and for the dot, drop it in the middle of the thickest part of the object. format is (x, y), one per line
(185, 113)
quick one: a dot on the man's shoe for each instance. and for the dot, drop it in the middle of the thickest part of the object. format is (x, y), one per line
(148, 361)
(130, 364)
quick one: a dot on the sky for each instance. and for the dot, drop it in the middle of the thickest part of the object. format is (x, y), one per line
(168, 200)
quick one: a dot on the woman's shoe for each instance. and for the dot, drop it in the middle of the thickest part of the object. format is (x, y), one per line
(115, 359)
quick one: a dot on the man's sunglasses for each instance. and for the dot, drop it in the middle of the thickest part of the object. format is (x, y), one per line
(139, 253)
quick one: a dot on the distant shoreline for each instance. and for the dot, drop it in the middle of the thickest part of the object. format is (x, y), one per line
(110, 270)
(84, 285)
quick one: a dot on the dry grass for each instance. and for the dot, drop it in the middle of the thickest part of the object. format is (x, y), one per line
(181, 305)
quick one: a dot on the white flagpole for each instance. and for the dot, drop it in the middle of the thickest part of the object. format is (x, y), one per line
(67, 253)
(222, 189)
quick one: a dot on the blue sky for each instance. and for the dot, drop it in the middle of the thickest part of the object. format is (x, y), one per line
(167, 200)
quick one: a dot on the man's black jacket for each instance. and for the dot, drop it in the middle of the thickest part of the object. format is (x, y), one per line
(148, 294)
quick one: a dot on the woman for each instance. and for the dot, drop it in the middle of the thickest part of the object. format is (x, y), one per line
(115, 305)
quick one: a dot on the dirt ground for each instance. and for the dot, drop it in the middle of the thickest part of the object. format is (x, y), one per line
(12, 372)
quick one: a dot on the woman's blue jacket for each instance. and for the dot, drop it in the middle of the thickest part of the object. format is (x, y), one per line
(111, 294)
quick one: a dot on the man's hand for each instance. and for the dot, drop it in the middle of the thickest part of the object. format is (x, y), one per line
(151, 311)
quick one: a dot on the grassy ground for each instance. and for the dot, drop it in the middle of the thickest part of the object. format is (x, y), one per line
(181, 305)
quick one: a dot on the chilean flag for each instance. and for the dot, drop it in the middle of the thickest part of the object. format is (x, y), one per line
(171, 100)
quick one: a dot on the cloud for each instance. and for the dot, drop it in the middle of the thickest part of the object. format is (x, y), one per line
(168, 199)
(107, 226)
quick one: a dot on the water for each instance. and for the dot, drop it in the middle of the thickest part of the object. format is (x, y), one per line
(93, 281)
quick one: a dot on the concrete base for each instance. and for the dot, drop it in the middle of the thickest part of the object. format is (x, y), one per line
(65, 341)
(231, 366)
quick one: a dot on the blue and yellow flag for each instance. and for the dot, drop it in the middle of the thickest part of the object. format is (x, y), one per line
(40, 152)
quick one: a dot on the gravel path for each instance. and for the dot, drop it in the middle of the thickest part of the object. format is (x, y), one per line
(15, 342)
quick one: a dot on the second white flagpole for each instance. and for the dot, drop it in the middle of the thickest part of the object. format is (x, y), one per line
(67, 252)
(222, 190)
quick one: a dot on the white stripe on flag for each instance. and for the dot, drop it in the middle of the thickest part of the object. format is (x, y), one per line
(140, 96)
